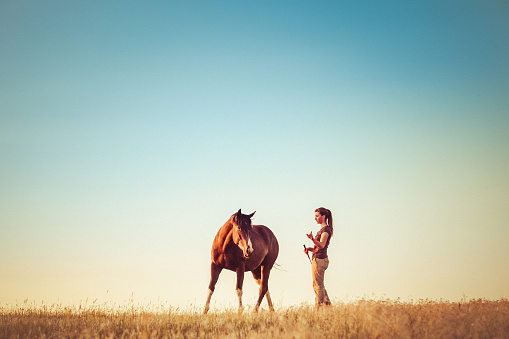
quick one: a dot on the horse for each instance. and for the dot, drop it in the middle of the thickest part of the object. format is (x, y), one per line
(242, 247)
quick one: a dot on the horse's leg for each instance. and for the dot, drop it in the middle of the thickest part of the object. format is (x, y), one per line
(264, 287)
(214, 275)
(241, 269)
(269, 300)
(257, 275)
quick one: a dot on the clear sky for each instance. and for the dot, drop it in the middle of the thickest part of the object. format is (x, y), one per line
(131, 131)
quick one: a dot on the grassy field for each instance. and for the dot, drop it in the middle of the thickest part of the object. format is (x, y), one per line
(359, 319)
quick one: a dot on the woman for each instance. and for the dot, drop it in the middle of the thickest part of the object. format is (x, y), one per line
(320, 260)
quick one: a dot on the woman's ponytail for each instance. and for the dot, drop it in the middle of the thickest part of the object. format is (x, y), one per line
(328, 217)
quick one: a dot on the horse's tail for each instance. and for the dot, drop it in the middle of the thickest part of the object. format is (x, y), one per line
(279, 267)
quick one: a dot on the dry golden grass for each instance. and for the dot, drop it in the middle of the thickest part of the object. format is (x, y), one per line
(359, 319)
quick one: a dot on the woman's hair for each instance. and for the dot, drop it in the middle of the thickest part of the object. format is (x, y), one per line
(328, 217)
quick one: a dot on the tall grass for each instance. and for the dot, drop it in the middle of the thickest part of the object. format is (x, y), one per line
(363, 318)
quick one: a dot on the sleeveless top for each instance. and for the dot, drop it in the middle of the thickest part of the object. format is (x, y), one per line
(321, 253)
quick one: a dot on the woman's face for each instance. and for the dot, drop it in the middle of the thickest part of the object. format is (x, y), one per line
(319, 218)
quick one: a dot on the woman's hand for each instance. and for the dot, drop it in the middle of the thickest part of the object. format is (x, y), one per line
(310, 235)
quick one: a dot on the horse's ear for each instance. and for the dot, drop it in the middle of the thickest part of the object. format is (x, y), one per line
(251, 215)
(239, 213)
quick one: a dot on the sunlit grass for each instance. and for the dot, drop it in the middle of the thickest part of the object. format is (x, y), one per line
(364, 318)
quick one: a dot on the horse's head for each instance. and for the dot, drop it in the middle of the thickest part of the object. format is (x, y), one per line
(242, 232)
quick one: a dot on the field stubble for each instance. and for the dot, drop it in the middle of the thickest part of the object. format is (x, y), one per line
(364, 318)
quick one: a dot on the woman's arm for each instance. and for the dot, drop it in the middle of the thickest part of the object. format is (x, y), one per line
(323, 240)
(308, 249)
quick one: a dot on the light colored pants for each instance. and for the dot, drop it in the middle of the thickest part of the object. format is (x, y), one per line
(318, 267)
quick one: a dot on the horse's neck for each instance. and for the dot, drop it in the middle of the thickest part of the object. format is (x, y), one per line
(226, 228)
(225, 234)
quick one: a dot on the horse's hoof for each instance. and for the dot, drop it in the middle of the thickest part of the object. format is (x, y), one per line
(205, 310)
(241, 309)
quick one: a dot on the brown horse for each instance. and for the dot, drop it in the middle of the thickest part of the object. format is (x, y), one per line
(240, 247)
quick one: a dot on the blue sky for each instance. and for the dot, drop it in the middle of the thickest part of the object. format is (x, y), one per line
(132, 131)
